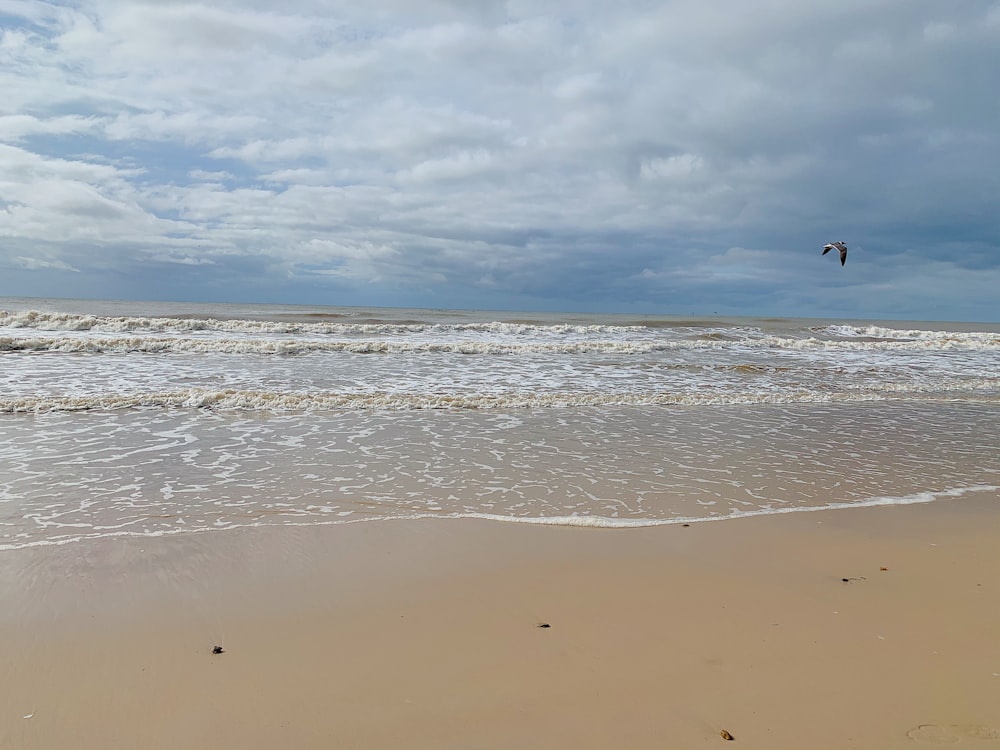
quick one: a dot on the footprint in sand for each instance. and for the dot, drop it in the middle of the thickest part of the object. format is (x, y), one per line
(951, 733)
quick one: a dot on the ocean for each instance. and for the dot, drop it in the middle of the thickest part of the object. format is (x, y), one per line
(152, 418)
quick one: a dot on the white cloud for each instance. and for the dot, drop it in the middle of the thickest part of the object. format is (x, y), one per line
(462, 165)
(671, 168)
(16, 127)
(912, 105)
(210, 176)
(183, 260)
(939, 32)
(185, 127)
(41, 264)
(498, 144)
(992, 16)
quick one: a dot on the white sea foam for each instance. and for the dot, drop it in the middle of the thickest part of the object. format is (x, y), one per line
(162, 345)
(283, 346)
(60, 321)
(909, 334)
(158, 425)
(47, 321)
(603, 522)
(237, 400)
(579, 521)
(951, 342)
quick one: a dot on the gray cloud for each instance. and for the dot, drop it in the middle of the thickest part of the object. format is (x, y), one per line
(646, 156)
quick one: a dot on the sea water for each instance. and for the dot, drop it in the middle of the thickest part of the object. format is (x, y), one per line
(130, 418)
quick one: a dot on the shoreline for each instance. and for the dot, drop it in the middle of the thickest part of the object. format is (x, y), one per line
(584, 521)
(424, 634)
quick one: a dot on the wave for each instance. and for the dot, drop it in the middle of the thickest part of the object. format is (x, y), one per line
(50, 321)
(163, 345)
(984, 390)
(292, 346)
(980, 342)
(903, 335)
(333, 325)
(586, 521)
(631, 523)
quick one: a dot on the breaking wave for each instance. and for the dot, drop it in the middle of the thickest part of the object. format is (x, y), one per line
(292, 346)
(269, 401)
(98, 335)
(578, 521)
(157, 345)
(49, 321)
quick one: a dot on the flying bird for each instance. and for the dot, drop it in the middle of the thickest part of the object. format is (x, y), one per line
(839, 246)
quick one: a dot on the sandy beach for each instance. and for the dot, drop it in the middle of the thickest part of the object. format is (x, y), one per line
(426, 634)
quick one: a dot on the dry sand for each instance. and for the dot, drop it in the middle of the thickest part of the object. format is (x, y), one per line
(425, 634)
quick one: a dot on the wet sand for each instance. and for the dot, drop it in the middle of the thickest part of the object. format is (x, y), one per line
(425, 634)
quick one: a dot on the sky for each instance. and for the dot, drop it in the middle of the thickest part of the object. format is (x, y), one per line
(669, 156)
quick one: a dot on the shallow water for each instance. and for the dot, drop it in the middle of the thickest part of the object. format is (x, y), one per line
(199, 418)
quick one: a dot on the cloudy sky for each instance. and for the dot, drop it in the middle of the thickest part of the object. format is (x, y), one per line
(667, 156)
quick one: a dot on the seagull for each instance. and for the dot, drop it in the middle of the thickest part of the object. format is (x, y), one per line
(840, 246)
